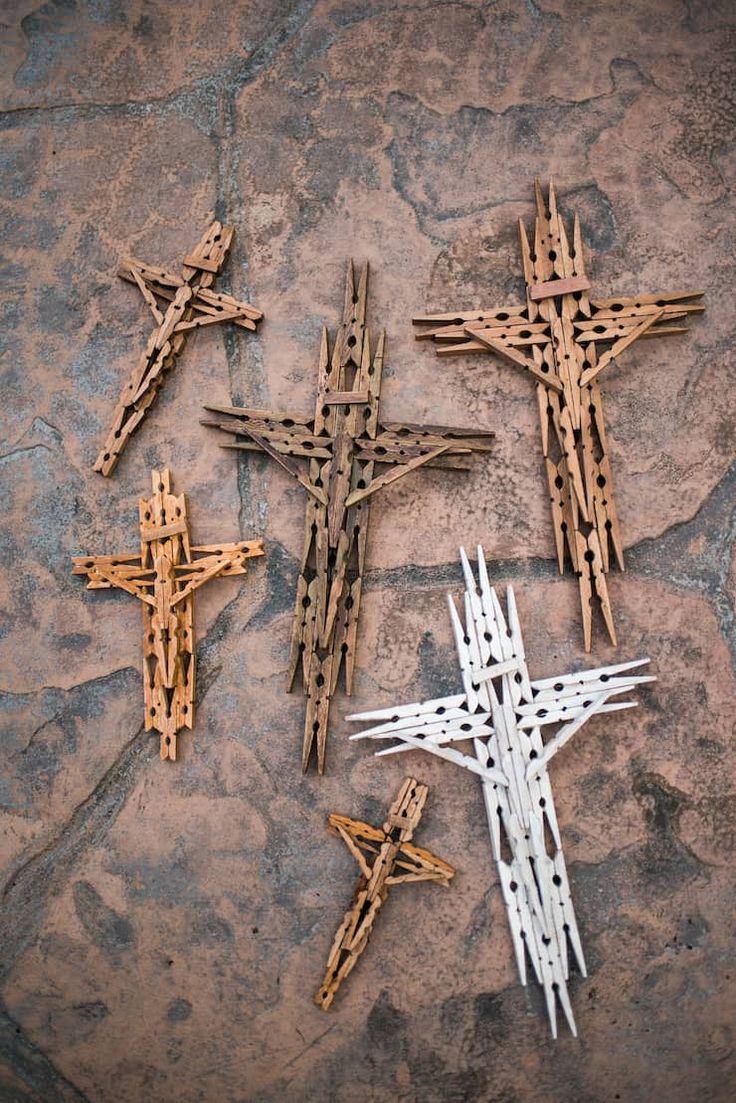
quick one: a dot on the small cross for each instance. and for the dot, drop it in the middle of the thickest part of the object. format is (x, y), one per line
(343, 442)
(192, 304)
(555, 336)
(164, 577)
(503, 713)
(392, 860)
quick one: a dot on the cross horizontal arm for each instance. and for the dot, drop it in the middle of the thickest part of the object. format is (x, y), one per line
(572, 712)
(287, 433)
(386, 451)
(216, 306)
(210, 306)
(432, 735)
(450, 725)
(85, 564)
(503, 345)
(399, 442)
(407, 429)
(618, 347)
(584, 677)
(451, 326)
(409, 446)
(365, 834)
(160, 281)
(237, 418)
(535, 768)
(248, 549)
(346, 830)
(113, 571)
(225, 559)
(418, 709)
(669, 301)
(275, 451)
(420, 865)
(580, 694)
(576, 697)
(488, 773)
(392, 476)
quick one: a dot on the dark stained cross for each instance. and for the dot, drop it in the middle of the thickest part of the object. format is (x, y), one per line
(191, 305)
(386, 857)
(164, 576)
(343, 442)
(555, 335)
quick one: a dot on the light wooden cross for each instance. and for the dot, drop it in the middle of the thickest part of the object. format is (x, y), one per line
(192, 304)
(343, 442)
(555, 336)
(386, 857)
(164, 577)
(502, 713)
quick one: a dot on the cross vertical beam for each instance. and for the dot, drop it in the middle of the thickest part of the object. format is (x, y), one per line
(164, 577)
(556, 335)
(343, 442)
(386, 857)
(191, 305)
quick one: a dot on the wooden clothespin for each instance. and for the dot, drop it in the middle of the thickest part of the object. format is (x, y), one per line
(191, 305)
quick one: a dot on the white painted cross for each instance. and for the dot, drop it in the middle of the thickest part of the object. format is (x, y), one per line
(502, 712)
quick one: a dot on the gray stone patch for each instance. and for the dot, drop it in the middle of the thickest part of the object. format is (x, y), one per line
(179, 1011)
(108, 930)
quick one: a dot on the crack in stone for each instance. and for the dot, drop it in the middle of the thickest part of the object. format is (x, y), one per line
(31, 1065)
(620, 71)
(232, 76)
(43, 875)
(38, 425)
(68, 689)
(675, 557)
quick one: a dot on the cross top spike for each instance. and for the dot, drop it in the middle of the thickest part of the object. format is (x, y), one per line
(164, 577)
(503, 715)
(386, 857)
(192, 304)
(555, 335)
(343, 442)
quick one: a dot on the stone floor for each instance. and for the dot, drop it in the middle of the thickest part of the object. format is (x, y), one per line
(165, 925)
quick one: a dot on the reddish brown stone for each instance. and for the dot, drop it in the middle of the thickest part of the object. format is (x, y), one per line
(163, 929)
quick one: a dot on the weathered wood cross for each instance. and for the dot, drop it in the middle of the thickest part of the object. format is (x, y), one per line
(164, 576)
(501, 713)
(392, 861)
(554, 335)
(192, 305)
(343, 442)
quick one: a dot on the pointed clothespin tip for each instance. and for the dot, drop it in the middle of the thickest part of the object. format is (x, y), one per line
(470, 583)
(485, 583)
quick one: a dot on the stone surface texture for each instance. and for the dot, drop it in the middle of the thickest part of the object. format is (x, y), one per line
(164, 927)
